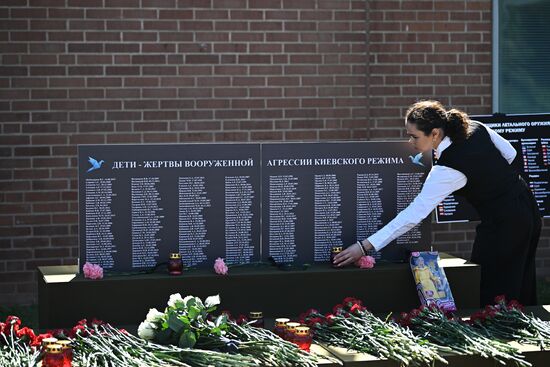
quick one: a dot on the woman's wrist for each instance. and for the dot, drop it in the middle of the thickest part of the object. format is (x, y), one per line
(366, 245)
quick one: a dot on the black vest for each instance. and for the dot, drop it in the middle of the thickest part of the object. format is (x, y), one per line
(491, 180)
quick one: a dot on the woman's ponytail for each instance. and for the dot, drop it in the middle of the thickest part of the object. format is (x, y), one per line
(456, 126)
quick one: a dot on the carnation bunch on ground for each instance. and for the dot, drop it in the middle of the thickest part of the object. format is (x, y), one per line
(452, 334)
(507, 321)
(352, 326)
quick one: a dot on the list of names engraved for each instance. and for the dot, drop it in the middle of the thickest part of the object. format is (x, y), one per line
(100, 245)
(369, 204)
(327, 223)
(192, 223)
(408, 186)
(282, 219)
(146, 221)
(238, 219)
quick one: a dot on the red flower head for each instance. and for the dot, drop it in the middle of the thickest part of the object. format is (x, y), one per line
(514, 304)
(78, 330)
(500, 299)
(357, 308)
(414, 313)
(338, 309)
(26, 335)
(97, 322)
(241, 319)
(490, 312)
(38, 340)
(350, 301)
(2, 326)
(12, 322)
(315, 322)
(478, 316)
(330, 318)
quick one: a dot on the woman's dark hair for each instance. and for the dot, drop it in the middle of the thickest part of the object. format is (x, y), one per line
(429, 115)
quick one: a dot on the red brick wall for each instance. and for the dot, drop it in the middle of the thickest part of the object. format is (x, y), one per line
(155, 71)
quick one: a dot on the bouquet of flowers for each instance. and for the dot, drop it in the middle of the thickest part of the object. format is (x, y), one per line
(104, 345)
(189, 323)
(352, 326)
(506, 320)
(451, 334)
(18, 345)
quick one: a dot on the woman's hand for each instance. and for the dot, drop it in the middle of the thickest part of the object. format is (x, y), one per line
(351, 254)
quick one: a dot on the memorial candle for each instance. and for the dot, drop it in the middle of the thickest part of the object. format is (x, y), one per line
(175, 264)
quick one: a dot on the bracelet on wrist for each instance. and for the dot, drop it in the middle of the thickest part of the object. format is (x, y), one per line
(362, 248)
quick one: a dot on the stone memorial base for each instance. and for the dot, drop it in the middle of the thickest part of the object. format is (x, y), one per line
(64, 297)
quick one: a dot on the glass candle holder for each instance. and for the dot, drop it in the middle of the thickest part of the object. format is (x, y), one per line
(175, 264)
(53, 357)
(257, 317)
(302, 338)
(48, 341)
(280, 326)
(290, 331)
(67, 352)
(333, 252)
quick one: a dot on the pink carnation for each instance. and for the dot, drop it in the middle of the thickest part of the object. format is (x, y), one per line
(365, 262)
(220, 267)
(92, 271)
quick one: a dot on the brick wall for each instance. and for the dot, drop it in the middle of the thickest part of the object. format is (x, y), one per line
(171, 71)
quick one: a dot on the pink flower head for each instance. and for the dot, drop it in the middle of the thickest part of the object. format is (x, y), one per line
(92, 271)
(220, 267)
(365, 262)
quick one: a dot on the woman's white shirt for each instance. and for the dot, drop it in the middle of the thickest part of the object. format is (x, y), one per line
(440, 183)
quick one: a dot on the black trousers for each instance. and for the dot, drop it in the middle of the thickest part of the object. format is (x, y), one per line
(505, 246)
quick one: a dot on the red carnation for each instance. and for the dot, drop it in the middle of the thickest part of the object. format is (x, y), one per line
(26, 334)
(38, 340)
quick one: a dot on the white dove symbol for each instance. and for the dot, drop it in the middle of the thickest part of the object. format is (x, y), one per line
(95, 164)
(416, 159)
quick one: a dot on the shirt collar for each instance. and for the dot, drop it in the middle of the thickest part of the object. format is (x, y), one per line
(445, 143)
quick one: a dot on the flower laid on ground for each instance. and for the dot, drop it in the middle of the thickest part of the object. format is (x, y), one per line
(92, 271)
(220, 267)
(365, 262)
(452, 334)
(352, 326)
(189, 322)
(18, 345)
(507, 321)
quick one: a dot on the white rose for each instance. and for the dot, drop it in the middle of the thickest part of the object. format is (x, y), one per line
(146, 331)
(174, 298)
(154, 316)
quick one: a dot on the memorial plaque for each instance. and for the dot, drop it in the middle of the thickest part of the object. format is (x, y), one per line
(320, 195)
(138, 203)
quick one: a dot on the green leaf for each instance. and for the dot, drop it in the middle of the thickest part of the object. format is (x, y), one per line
(187, 339)
(216, 331)
(164, 336)
(175, 323)
(212, 301)
(193, 312)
